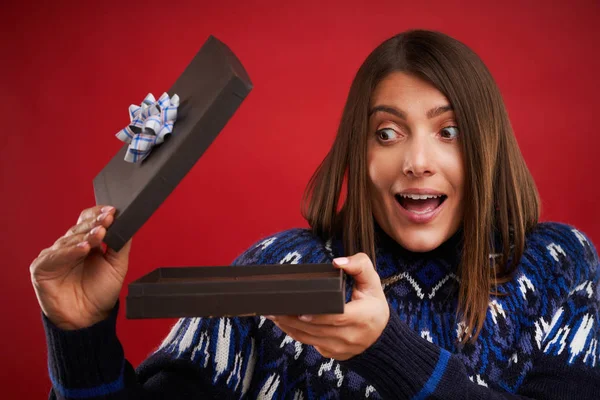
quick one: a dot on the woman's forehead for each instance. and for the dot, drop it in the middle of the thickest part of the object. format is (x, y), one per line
(408, 93)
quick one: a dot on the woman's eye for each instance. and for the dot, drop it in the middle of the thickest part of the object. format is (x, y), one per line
(386, 134)
(449, 132)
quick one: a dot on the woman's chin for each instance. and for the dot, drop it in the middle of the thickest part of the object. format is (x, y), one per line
(420, 242)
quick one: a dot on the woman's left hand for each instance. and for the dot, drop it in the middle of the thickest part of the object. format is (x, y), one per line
(342, 336)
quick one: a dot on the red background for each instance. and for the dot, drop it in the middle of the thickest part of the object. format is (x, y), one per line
(69, 72)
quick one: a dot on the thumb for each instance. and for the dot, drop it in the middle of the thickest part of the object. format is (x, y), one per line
(360, 267)
(119, 259)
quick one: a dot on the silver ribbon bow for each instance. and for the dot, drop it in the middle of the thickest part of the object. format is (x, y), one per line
(150, 123)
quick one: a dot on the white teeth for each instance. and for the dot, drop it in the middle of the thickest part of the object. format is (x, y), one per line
(420, 196)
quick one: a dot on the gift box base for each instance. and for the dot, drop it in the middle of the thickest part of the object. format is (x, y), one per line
(176, 292)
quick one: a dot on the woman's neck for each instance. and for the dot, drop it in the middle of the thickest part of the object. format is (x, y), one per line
(449, 250)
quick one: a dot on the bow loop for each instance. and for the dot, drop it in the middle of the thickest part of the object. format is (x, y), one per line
(150, 123)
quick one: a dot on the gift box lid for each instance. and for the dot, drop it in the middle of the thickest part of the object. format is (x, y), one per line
(210, 89)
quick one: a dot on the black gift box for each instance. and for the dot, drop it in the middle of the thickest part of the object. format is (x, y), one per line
(210, 89)
(238, 290)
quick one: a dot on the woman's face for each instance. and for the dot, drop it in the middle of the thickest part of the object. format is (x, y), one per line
(415, 163)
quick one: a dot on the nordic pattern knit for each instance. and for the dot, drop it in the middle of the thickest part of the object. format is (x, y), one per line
(540, 338)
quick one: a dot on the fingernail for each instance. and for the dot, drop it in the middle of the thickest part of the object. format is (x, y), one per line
(82, 244)
(102, 216)
(305, 318)
(94, 230)
(107, 209)
(341, 261)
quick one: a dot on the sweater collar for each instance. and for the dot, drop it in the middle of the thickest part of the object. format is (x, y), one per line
(426, 267)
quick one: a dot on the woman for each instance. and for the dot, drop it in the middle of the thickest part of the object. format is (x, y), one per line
(456, 290)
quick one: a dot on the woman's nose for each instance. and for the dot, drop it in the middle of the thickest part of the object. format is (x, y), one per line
(417, 157)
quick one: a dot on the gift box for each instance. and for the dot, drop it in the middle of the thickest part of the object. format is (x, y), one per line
(164, 140)
(283, 289)
(137, 180)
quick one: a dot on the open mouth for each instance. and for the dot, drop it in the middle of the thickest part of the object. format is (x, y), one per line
(420, 203)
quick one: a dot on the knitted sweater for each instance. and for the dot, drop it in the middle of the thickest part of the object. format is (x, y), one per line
(539, 340)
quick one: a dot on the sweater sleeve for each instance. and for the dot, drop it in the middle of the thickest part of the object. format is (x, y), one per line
(403, 365)
(212, 357)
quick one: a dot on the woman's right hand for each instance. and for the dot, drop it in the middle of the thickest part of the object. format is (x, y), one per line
(76, 283)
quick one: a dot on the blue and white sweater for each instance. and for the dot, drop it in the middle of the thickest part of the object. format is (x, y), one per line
(540, 339)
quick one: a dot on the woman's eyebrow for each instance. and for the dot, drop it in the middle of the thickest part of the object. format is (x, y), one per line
(434, 112)
(437, 111)
(388, 109)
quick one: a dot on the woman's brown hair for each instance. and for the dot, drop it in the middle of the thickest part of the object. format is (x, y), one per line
(500, 198)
